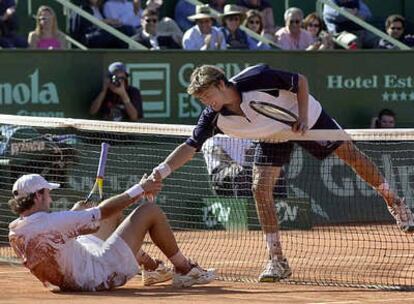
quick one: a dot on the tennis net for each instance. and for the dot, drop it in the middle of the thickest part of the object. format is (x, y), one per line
(336, 228)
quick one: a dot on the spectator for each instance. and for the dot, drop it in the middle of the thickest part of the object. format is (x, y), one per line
(148, 34)
(254, 22)
(395, 28)
(46, 34)
(322, 40)
(183, 10)
(337, 23)
(166, 26)
(232, 18)
(265, 8)
(384, 120)
(90, 34)
(9, 25)
(293, 36)
(203, 36)
(118, 101)
(125, 13)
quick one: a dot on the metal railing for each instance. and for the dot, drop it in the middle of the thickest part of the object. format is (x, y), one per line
(360, 22)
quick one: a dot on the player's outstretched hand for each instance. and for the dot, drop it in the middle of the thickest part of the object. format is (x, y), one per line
(151, 185)
(82, 205)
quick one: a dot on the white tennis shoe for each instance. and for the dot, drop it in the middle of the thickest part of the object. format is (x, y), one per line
(159, 275)
(403, 215)
(196, 276)
(275, 271)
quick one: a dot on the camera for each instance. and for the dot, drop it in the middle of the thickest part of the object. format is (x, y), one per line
(115, 80)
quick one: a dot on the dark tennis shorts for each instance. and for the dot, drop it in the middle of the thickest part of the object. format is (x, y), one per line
(278, 154)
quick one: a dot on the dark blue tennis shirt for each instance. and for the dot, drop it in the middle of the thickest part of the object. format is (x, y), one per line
(258, 83)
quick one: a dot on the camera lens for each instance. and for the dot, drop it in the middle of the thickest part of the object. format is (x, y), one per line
(115, 81)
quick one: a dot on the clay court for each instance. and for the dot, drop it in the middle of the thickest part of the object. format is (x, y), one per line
(18, 286)
(364, 258)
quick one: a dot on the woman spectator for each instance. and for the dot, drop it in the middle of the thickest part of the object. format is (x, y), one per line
(46, 34)
(322, 40)
(265, 8)
(254, 22)
(232, 18)
(293, 36)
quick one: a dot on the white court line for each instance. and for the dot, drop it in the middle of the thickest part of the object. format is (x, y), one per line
(11, 272)
(336, 302)
(365, 301)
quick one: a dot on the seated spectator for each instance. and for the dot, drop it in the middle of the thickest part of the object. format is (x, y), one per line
(316, 27)
(384, 120)
(46, 34)
(9, 25)
(254, 22)
(265, 8)
(395, 27)
(149, 36)
(232, 18)
(125, 13)
(166, 26)
(183, 10)
(293, 36)
(337, 23)
(93, 36)
(203, 36)
(118, 101)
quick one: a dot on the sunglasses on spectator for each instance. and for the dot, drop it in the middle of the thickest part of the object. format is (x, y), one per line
(396, 28)
(295, 21)
(42, 18)
(151, 20)
(254, 22)
(313, 25)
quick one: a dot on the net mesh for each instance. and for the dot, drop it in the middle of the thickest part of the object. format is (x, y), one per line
(336, 228)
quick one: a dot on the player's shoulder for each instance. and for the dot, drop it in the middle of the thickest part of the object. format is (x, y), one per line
(249, 73)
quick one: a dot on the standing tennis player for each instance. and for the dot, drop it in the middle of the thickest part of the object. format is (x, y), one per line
(228, 111)
(52, 245)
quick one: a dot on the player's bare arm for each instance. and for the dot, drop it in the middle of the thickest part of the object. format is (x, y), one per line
(119, 202)
(303, 105)
(177, 158)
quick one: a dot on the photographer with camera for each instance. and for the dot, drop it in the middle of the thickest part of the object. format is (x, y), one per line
(118, 101)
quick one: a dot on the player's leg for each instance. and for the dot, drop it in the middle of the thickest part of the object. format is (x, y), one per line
(149, 218)
(268, 161)
(368, 171)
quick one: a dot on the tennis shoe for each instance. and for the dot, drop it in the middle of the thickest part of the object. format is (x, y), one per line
(275, 271)
(159, 275)
(196, 276)
(403, 215)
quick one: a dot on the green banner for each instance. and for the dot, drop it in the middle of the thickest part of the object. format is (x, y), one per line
(352, 86)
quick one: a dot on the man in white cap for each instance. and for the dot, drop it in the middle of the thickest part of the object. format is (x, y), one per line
(52, 244)
(203, 35)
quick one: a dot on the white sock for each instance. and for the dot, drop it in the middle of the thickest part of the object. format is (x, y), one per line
(274, 246)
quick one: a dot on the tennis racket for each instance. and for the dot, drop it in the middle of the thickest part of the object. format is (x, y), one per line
(274, 112)
(96, 194)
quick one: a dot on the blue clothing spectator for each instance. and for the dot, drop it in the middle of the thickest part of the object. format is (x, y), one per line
(183, 10)
(9, 25)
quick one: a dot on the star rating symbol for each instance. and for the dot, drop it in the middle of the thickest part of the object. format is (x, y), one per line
(398, 96)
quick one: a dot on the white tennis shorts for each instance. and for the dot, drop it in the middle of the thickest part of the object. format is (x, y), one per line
(112, 262)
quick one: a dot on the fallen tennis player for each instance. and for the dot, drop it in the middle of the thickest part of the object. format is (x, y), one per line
(56, 249)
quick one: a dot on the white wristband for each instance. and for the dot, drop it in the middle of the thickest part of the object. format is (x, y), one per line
(164, 169)
(134, 191)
